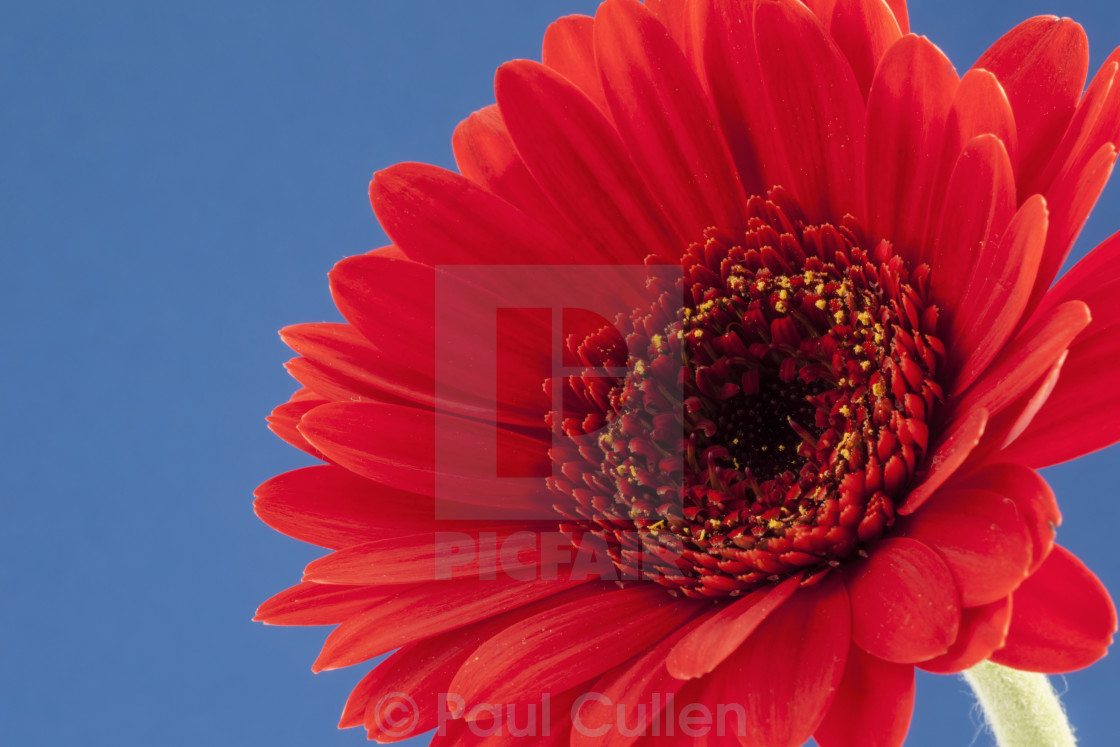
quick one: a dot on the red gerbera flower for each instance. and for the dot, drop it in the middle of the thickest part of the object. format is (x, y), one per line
(809, 360)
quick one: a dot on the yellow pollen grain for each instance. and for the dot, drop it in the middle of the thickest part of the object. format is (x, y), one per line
(760, 285)
(846, 411)
(864, 318)
(820, 304)
(697, 333)
(865, 365)
(783, 294)
(839, 316)
(775, 524)
(879, 389)
(657, 340)
(781, 306)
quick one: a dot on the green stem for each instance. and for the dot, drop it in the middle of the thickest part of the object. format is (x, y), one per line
(1021, 707)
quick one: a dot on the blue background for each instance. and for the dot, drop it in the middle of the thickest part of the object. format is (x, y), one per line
(177, 180)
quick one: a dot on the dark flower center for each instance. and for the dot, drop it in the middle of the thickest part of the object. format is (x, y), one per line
(774, 413)
(764, 431)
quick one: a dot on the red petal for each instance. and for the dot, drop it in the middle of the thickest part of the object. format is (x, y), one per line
(1091, 280)
(410, 613)
(485, 154)
(285, 419)
(979, 108)
(951, 451)
(423, 671)
(873, 705)
(385, 443)
(1025, 410)
(1095, 123)
(396, 446)
(1042, 64)
(330, 507)
(979, 203)
(722, 40)
(318, 604)
(1062, 618)
(560, 648)
(1026, 359)
(909, 102)
(898, 7)
(1071, 198)
(710, 643)
(393, 303)
(671, 14)
(817, 109)
(438, 217)
(489, 728)
(471, 551)
(1080, 415)
(983, 630)
(993, 302)
(786, 674)
(370, 289)
(339, 363)
(401, 692)
(569, 49)
(822, 9)
(1033, 498)
(642, 680)
(905, 603)
(580, 161)
(982, 539)
(666, 120)
(864, 30)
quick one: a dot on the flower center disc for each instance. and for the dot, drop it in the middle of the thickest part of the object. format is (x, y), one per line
(774, 413)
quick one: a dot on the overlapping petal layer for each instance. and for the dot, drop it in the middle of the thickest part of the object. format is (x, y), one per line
(671, 128)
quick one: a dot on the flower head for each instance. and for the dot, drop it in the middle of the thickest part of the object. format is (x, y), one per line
(719, 375)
